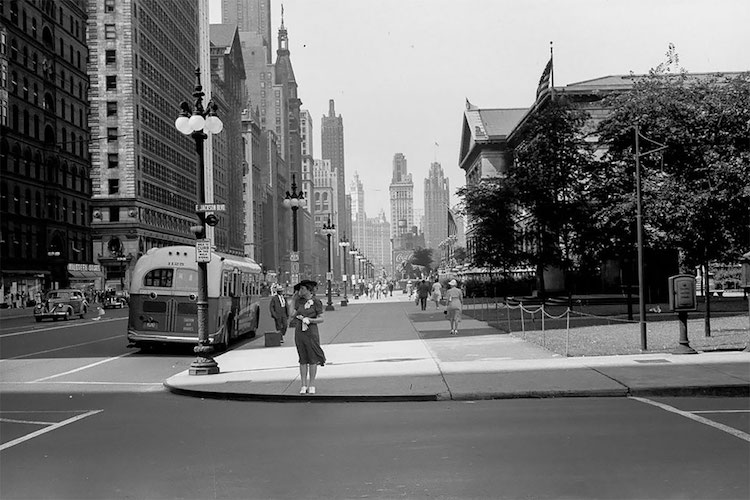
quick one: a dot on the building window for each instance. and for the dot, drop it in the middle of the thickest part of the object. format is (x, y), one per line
(114, 214)
(112, 82)
(109, 5)
(114, 186)
(111, 134)
(110, 56)
(111, 108)
(110, 32)
(113, 160)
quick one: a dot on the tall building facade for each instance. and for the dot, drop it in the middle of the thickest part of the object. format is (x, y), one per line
(45, 188)
(332, 148)
(142, 63)
(228, 93)
(436, 203)
(250, 16)
(359, 218)
(402, 199)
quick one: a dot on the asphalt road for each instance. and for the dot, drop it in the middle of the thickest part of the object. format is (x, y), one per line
(81, 416)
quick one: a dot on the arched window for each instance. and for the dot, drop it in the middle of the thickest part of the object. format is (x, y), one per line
(4, 155)
(35, 95)
(62, 108)
(74, 212)
(49, 135)
(34, 62)
(33, 27)
(27, 162)
(64, 145)
(73, 140)
(13, 50)
(49, 102)
(25, 53)
(65, 210)
(36, 127)
(38, 204)
(37, 165)
(4, 197)
(14, 82)
(26, 122)
(16, 200)
(27, 202)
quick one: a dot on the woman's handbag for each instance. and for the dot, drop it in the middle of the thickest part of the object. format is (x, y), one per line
(443, 302)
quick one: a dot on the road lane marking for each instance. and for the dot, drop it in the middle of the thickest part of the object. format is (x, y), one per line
(37, 330)
(716, 425)
(62, 348)
(51, 428)
(81, 368)
(32, 422)
(720, 411)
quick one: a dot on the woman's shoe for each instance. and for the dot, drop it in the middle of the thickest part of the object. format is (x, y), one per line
(311, 389)
(303, 389)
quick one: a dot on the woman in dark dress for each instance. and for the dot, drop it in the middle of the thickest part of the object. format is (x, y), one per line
(308, 313)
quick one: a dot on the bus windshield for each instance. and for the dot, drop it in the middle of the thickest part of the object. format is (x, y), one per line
(172, 278)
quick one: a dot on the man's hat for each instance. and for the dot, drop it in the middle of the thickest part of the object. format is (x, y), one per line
(309, 284)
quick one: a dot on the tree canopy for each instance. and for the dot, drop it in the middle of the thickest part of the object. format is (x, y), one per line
(563, 204)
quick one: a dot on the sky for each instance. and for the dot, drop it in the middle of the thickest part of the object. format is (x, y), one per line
(400, 71)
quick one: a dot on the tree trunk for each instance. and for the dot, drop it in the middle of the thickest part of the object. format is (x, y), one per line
(540, 279)
(707, 292)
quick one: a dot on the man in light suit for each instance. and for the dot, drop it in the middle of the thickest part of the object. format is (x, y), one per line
(278, 307)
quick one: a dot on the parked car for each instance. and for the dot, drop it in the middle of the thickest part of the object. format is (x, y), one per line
(63, 303)
(114, 300)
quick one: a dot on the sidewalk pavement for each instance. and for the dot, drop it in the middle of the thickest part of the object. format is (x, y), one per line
(390, 350)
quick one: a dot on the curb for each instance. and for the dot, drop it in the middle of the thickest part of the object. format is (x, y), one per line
(302, 398)
(714, 391)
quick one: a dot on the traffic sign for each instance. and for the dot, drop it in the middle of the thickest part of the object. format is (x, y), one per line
(210, 207)
(294, 256)
(203, 250)
(329, 275)
(295, 267)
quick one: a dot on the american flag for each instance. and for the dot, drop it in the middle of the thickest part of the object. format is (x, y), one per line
(544, 81)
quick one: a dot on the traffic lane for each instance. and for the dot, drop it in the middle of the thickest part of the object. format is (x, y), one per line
(549, 448)
(25, 323)
(51, 340)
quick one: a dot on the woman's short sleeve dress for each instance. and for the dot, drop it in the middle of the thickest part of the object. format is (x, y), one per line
(308, 342)
(453, 297)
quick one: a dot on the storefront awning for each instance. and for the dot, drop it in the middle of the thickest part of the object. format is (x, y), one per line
(84, 275)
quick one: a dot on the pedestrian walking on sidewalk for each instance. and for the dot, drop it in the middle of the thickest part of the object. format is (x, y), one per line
(279, 311)
(454, 298)
(308, 314)
(423, 291)
(437, 293)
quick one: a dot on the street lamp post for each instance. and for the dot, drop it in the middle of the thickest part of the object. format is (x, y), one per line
(344, 243)
(196, 122)
(353, 253)
(294, 200)
(639, 230)
(329, 230)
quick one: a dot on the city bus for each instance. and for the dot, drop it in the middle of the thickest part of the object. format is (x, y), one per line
(164, 292)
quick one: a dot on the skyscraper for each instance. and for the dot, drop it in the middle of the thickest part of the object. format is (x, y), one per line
(332, 145)
(402, 199)
(143, 170)
(436, 198)
(45, 233)
(250, 16)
